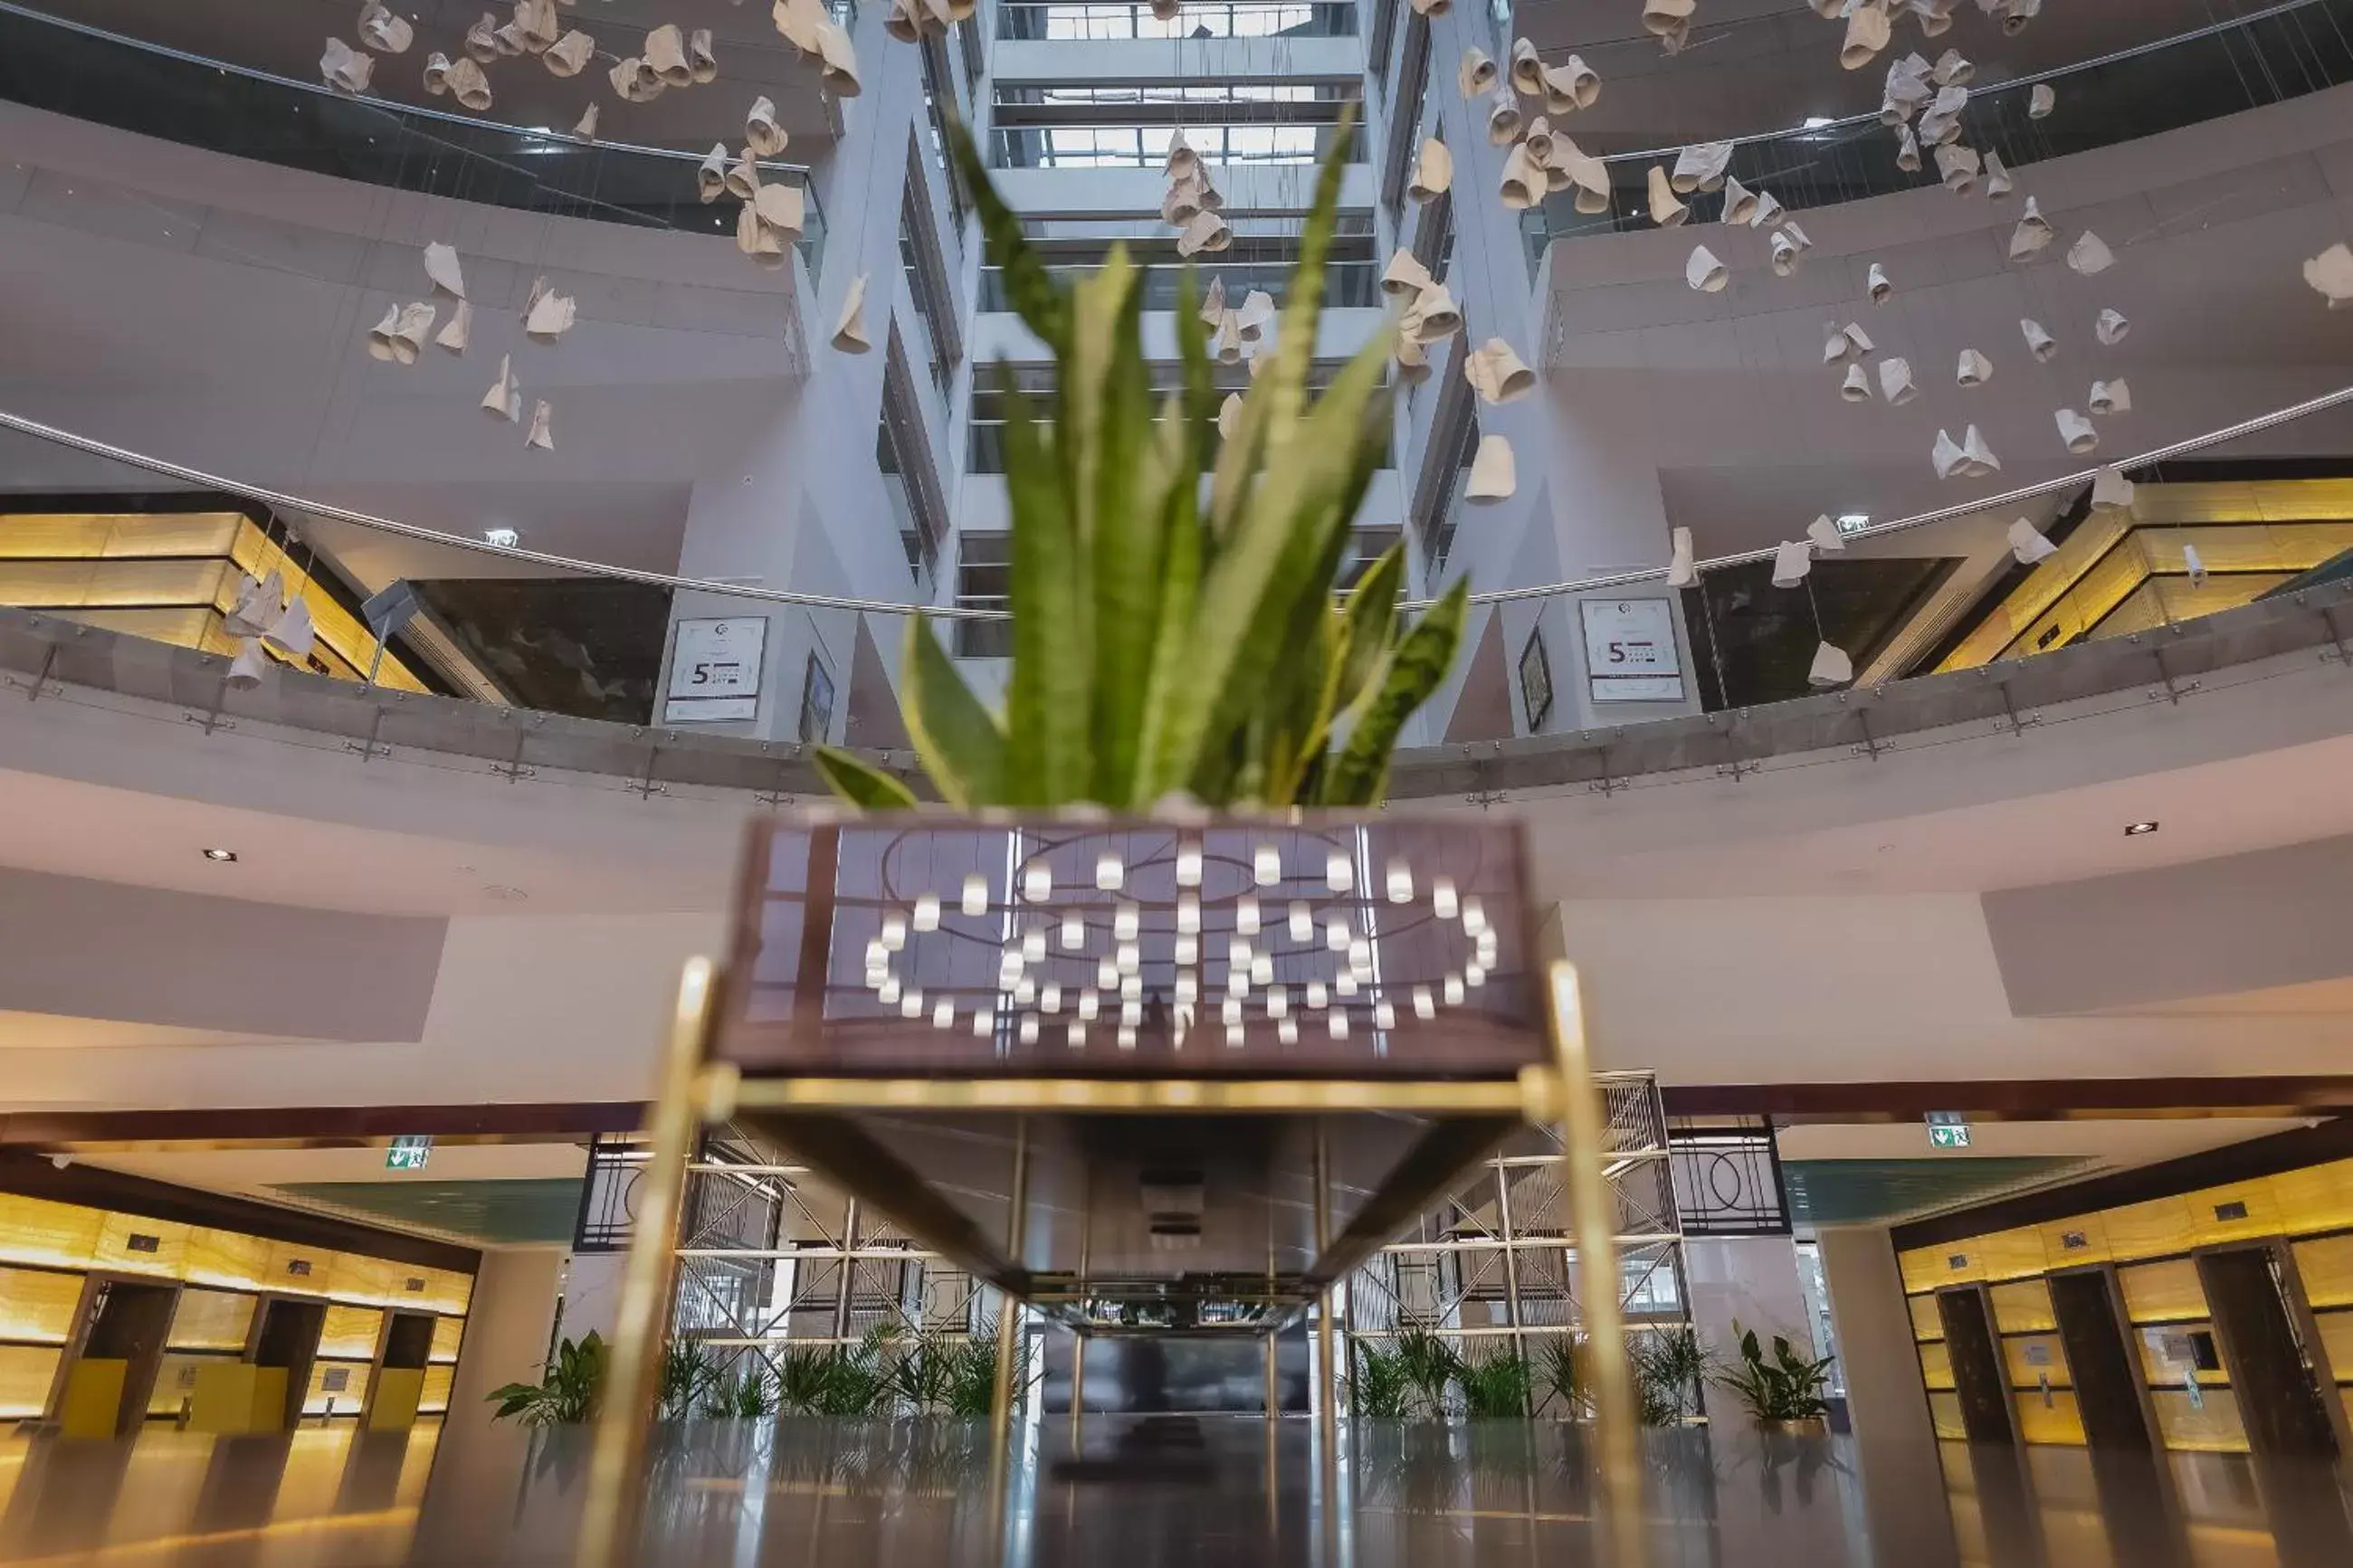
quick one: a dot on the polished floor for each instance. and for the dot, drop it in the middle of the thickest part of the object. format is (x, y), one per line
(1148, 1492)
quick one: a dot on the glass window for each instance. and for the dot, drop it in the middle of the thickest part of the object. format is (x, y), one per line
(985, 582)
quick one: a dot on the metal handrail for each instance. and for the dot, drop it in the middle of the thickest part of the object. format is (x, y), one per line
(286, 501)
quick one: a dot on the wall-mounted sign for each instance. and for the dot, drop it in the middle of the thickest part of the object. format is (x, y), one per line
(334, 1380)
(1631, 653)
(714, 671)
(409, 1152)
(1948, 1130)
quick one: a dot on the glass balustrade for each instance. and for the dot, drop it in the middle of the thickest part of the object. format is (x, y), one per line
(1028, 22)
(2272, 56)
(68, 68)
(1352, 285)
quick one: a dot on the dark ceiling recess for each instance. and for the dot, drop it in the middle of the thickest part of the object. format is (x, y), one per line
(1753, 643)
(1862, 1192)
(559, 645)
(510, 1213)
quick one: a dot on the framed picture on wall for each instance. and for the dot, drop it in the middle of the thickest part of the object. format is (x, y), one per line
(816, 702)
(1630, 652)
(1536, 680)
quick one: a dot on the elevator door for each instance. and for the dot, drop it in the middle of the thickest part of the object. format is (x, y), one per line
(2278, 1393)
(2108, 1384)
(1979, 1376)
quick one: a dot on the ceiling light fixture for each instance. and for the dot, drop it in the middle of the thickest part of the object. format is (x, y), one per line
(503, 538)
(1854, 522)
(2135, 829)
(221, 857)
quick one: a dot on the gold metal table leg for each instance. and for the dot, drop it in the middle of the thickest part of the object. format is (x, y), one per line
(1009, 1340)
(611, 1517)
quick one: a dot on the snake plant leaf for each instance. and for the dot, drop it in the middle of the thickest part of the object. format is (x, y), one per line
(1050, 749)
(1369, 622)
(861, 783)
(961, 743)
(1361, 774)
(1171, 655)
(1200, 378)
(1040, 302)
(1131, 469)
(1263, 578)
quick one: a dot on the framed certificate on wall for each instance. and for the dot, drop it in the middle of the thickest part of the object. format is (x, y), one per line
(1631, 651)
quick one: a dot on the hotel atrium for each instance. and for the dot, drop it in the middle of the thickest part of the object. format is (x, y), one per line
(1296, 783)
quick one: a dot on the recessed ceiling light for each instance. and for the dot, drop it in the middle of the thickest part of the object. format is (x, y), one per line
(221, 857)
(2135, 829)
(1854, 522)
(1815, 122)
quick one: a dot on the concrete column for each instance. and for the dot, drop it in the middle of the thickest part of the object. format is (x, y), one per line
(1751, 1280)
(1904, 1488)
(506, 1329)
(591, 1287)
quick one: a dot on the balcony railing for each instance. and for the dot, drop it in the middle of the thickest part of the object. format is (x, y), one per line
(2286, 52)
(1347, 284)
(1025, 21)
(1132, 146)
(68, 68)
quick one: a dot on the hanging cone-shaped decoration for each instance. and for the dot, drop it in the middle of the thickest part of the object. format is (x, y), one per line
(1941, 121)
(469, 85)
(838, 61)
(1229, 416)
(711, 178)
(1182, 162)
(584, 127)
(536, 22)
(1869, 30)
(2028, 544)
(1895, 383)
(1953, 69)
(1974, 369)
(763, 137)
(1587, 173)
(383, 32)
(1823, 534)
(1538, 142)
(481, 39)
(1226, 344)
(1977, 455)
(1948, 456)
(1412, 359)
(1422, 8)
(701, 58)
(1476, 74)
(1768, 211)
(1908, 88)
(1433, 172)
(550, 315)
(665, 54)
(1661, 17)
(250, 665)
(542, 438)
(1791, 562)
(2016, 14)
(2077, 433)
(1527, 69)
(2041, 101)
(753, 238)
(507, 40)
(1856, 387)
(1787, 253)
(849, 330)
(437, 73)
(1831, 667)
(2038, 342)
(1704, 272)
(2110, 328)
(743, 177)
(1496, 373)
(783, 211)
(442, 267)
(2110, 489)
(1213, 302)
(1436, 316)
(1739, 202)
(400, 336)
(1665, 211)
(1700, 168)
(1683, 571)
(1570, 86)
(569, 55)
(2330, 273)
(1182, 204)
(1493, 475)
(292, 634)
(345, 68)
(1503, 120)
(2090, 255)
(461, 327)
(1875, 284)
(800, 21)
(504, 399)
(1846, 343)
(1958, 167)
(2110, 397)
(1907, 149)
(2195, 564)
(1205, 234)
(1997, 175)
(1406, 277)
(259, 605)
(1255, 316)
(1524, 181)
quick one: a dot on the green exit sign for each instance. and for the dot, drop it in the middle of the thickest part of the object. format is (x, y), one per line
(409, 1152)
(1948, 1130)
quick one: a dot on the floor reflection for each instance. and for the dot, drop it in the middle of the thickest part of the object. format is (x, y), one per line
(1152, 1492)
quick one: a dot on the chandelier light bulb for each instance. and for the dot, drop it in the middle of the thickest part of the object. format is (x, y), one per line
(1025, 991)
(1074, 933)
(1246, 915)
(1189, 865)
(1474, 975)
(1034, 946)
(1384, 1015)
(1089, 1006)
(1454, 991)
(1109, 872)
(1400, 882)
(876, 955)
(910, 1003)
(1233, 1037)
(984, 1023)
(1474, 916)
(1238, 981)
(1442, 899)
(1131, 1014)
(1336, 934)
(888, 992)
(944, 1015)
(1125, 922)
(976, 894)
(1303, 923)
(1106, 974)
(1344, 983)
(1076, 1034)
(1262, 969)
(1425, 1006)
(1189, 914)
(1317, 997)
(1266, 865)
(927, 913)
(1237, 952)
(1028, 1029)
(894, 933)
(1278, 1001)
(1050, 999)
(1339, 874)
(1287, 1031)
(1232, 1010)
(1127, 1037)
(1037, 882)
(1186, 950)
(1130, 986)
(1129, 958)
(1188, 988)
(1339, 1024)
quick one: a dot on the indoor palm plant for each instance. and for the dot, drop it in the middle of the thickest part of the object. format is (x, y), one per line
(1782, 1392)
(1169, 645)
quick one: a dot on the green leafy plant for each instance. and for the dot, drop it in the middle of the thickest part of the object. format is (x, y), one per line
(1560, 1373)
(1162, 647)
(972, 1391)
(804, 1374)
(924, 1374)
(1787, 1387)
(566, 1394)
(1496, 1386)
(748, 1395)
(1428, 1365)
(687, 1374)
(1377, 1390)
(1669, 1366)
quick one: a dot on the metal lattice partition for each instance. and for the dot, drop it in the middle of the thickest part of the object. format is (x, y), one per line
(1494, 1266)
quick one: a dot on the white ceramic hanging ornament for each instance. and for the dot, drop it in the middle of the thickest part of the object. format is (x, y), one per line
(1433, 172)
(2090, 255)
(2076, 433)
(1831, 667)
(2110, 328)
(1704, 272)
(2028, 544)
(1493, 477)
(2038, 342)
(1974, 370)
(850, 330)
(2109, 398)
(542, 435)
(504, 399)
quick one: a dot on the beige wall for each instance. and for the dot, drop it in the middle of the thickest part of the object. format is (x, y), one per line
(506, 1330)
